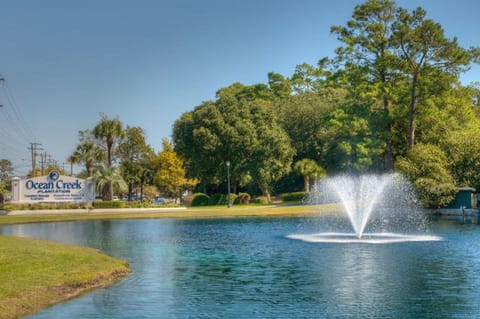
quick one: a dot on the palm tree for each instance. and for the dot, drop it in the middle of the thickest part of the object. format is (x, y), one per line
(309, 168)
(109, 130)
(109, 178)
(88, 153)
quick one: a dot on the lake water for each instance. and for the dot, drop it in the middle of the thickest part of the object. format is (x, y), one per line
(248, 268)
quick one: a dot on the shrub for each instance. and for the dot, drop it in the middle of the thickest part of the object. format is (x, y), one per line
(294, 197)
(108, 204)
(427, 167)
(222, 199)
(200, 199)
(233, 198)
(242, 198)
(217, 199)
(261, 200)
(38, 206)
(435, 194)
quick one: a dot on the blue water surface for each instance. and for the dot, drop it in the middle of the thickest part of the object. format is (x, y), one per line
(247, 268)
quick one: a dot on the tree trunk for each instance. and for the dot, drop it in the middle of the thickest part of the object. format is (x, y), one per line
(388, 128)
(388, 139)
(413, 106)
(89, 170)
(108, 192)
(109, 154)
(130, 187)
(306, 182)
(265, 192)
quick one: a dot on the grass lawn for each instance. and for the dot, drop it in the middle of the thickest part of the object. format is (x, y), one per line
(197, 212)
(35, 274)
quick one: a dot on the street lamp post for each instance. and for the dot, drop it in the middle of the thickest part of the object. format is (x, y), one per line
(228, 184)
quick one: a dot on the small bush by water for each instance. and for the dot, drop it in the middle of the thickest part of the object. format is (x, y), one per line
(260, 200)
(243, 198)
(294, 197)
(221, 199)
(58, 206)
(200, 199)
(108, 204)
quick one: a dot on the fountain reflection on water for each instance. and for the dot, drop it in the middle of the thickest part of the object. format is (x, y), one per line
(385, 204)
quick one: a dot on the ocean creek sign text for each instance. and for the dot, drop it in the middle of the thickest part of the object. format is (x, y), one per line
(53, 188)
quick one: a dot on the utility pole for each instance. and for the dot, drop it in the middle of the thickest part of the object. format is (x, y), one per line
(2, 81)
(69, 161)
(43, 155)
(34, 148)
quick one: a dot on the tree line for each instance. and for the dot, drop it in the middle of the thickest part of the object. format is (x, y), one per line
(121, 160)
(389, 99)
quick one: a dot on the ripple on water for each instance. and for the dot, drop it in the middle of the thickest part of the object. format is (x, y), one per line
(369, 238)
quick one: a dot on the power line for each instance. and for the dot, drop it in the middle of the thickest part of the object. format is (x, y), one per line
(25, 128)
(15, 127)
(34, 148)
(15, 132)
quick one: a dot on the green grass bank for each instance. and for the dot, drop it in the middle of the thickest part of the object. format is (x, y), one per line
(139, 213)
(35, 274)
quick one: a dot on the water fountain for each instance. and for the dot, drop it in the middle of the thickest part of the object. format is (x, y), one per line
(383, 203)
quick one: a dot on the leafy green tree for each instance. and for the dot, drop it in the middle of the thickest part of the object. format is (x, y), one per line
(474, 89)
(109, 131)
(87, 152)
(279, 85)
(135, 155)
(132, 174)
(196, 142)
(397, 62)
(428, 59)
(304, 117)
(308, 168)
(355, 147)
(240, 127)
(308, 78)
(460, 148)
(133, 146)
(272, 154)
(6, 172)
(427, 166)
(108, 180)
(369, 61)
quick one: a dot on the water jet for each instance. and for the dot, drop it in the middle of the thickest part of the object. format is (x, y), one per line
(383, 204)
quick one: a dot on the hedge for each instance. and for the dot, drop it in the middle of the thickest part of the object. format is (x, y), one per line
(108, 204)
(261, 200)
(38, 206)
(294, 197)
(200, 199)
(221, 199)
(242, 198)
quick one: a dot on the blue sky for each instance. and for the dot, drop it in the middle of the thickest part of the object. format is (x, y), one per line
(148, 61)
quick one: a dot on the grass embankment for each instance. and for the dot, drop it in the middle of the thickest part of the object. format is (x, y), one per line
(35, 274)
(203, 212)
